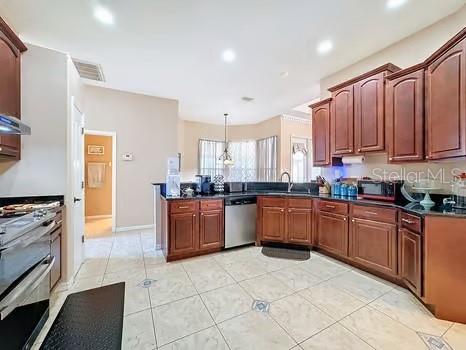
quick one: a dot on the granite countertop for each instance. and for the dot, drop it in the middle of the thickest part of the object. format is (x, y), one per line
(414, 208)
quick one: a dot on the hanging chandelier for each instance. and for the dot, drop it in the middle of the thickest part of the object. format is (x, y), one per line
(226, 155)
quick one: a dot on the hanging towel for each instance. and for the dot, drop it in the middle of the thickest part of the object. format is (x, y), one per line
(95, 175)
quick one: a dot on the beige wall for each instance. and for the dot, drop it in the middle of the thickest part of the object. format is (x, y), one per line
(145, 126)
(409, 51)
(98, 200)
(44, 104)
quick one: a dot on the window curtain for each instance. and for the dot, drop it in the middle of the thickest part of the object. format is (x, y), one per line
(209, 153)
(244, 157)
(267, 159)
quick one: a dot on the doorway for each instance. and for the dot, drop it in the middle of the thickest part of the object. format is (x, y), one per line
(99, 183)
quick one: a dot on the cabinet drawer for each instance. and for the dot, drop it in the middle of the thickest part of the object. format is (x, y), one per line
(273, 202)
(215, 204)
(333, 207)
(411, 222)
(300, 203)
(373, 213)
(183, 206)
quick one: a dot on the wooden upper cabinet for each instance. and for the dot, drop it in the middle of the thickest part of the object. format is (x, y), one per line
(341, 121)
(446, 100)
(10, 91)
(321, 133)
(369, 114)
(404, 113)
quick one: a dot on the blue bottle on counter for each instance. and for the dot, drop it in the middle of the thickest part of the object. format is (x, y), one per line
(353, 191)
(336, 187)
(344, 190)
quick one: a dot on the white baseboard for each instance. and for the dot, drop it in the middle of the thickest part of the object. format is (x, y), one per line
(99, 217)
(132, 228)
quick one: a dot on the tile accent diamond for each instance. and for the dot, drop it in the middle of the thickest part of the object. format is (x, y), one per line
(433, 342)
(261, 306)
(147, 283)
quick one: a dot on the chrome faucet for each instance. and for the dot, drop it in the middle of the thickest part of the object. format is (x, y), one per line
(290, 184)
(448, 201)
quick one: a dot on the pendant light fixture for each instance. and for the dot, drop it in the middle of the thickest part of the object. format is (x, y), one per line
(226, 156)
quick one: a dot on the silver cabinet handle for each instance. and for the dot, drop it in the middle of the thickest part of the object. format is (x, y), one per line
(407, 221)
(25, 287)
(371, 213)
(345, 218)
(183, 207)
(330, 206)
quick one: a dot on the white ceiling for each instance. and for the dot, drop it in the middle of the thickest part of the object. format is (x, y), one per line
(173, 48)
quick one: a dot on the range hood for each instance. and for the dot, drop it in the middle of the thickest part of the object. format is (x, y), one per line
(13, 126)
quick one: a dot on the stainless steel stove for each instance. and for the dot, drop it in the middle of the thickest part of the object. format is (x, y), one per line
(25, 264)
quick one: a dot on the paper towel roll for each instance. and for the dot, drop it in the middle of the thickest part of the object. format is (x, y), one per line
(353, 160)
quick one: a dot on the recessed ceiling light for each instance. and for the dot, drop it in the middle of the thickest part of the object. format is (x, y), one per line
(324, 47)
(103, 15)
(229, 55)
(393, 4)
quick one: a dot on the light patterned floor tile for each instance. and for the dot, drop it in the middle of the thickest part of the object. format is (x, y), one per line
(170, 287)
(86, 283)
(255, 331)
(266, 287)
(208, 339)
(298, 317)
(360, 286)
(210, 278)
(245, 269)
(227, 302)
(180, 318)
(296, 278)
(456, 336)
(382, 332)
(92, 268)
(335, 337)
(138, 331)
(323, 268)
(332, 300)
(405, 308)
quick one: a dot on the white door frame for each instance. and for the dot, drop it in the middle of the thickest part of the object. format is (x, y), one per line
(113, 135)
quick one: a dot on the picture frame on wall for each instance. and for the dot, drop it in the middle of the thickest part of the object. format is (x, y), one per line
(96, 150)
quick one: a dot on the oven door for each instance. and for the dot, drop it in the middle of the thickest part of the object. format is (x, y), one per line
(25, 265)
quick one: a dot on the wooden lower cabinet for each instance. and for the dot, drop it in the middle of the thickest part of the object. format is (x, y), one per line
(299, 226)
(273, 224)
(410, 259)
(332, 233)
(373, 245)
(211, 233)
(191, 227)
(184, 233)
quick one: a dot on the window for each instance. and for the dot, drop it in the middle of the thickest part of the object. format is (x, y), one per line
(253, 160)
(300, 159)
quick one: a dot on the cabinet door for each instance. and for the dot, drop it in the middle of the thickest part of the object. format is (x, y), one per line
(299, 226)
(211, 233)
(410, 245)
(373, 244)
(369, 114)
(332, 233)
(55, 251)
(9, 92)
(184, 233)
(446, 104)
(342, 116)
(404, 113)
(321, 135)
(273, 224)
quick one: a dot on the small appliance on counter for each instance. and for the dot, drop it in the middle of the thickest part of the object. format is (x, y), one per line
(232, 187)
(203, 184)
(173, 179)
(389, 191)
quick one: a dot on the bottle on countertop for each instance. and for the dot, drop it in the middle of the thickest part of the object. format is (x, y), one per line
(344, 190)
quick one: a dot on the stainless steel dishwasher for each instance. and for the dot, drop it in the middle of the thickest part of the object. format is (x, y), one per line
(240, 221)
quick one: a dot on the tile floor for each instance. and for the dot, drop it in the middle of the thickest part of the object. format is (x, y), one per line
(98, 227)
(206, 303)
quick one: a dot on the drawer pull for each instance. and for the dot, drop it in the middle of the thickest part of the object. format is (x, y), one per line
(185, 207)
(371, 213)
(407, 221)
(345, 218)
(330, 206)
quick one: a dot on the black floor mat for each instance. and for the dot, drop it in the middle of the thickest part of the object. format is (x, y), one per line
(286, 253)
(92, 319)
